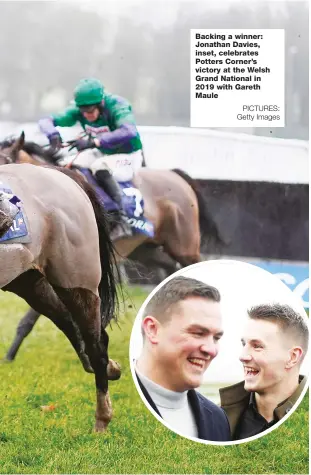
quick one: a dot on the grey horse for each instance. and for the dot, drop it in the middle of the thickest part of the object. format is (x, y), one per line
(66, 270)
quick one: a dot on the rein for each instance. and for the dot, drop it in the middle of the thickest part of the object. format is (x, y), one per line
(70, 164)
(69, 144)
(8, 159)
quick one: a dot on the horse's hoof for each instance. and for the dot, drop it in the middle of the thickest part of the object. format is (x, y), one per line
(100, 426)
(6, 361)
(113, 370)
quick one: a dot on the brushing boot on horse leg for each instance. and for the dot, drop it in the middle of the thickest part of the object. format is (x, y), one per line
(111, 187)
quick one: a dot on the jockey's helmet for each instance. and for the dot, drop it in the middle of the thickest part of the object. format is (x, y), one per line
(89, 91)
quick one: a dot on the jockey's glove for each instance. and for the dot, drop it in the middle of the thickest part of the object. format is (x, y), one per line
(55, 141)
(82, 144)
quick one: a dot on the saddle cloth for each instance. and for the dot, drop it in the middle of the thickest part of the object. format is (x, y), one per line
(18, 232)
(132, 200)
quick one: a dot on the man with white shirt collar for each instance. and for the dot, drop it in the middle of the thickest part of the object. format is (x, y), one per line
(181, 329)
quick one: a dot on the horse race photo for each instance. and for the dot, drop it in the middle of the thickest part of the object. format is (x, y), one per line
(154, 276)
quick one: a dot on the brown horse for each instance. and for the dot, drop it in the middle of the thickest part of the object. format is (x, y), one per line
(66, 270)
(173, 204)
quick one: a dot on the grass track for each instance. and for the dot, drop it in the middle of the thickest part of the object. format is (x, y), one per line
(47, 371)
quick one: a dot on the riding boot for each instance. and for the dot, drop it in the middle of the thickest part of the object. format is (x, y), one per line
(112, 188)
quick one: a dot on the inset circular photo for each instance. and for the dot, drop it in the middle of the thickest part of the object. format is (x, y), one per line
(218, 352)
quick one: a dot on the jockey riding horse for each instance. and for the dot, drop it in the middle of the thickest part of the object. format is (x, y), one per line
(113, 149)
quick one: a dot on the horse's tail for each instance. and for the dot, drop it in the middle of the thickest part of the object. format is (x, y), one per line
(208, 224)
(107, 288)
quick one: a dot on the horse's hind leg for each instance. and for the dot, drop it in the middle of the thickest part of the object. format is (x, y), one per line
(85, 306)
(23, 329)
(182, 237)
(33, 287)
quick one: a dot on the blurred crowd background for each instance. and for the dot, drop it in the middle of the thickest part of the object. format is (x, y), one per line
(139, 49)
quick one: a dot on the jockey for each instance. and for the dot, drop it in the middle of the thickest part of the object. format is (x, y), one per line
(113, 149)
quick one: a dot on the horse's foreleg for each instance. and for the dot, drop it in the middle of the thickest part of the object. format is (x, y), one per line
(23, 329)
(85, 306)
(113, 368)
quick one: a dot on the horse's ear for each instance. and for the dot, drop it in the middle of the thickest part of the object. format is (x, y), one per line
(18, 144)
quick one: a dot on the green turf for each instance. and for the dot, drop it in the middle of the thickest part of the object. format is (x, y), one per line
(48, 372)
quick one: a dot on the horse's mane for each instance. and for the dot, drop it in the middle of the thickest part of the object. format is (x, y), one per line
(7, 142)
(31, 148)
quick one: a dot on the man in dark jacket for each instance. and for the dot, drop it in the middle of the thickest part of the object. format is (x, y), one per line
(181, 329)
(275, 342)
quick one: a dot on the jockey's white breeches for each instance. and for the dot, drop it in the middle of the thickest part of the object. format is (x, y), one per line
(122, 166)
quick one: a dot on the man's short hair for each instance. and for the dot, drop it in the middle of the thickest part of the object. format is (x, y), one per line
(286, 318)
(175, 291)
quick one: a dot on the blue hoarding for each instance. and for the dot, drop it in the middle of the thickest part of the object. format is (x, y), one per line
(294, 275)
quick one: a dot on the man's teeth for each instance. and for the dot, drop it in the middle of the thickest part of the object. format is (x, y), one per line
(198, 361)
(251, 371)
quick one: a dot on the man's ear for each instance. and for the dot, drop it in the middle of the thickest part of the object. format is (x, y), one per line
(150, 326)
(295, 355)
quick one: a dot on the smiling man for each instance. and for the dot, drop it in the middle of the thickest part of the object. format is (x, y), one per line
(275, 341)
(181, 329)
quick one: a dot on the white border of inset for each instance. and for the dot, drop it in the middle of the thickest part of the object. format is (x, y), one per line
(194, 439)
